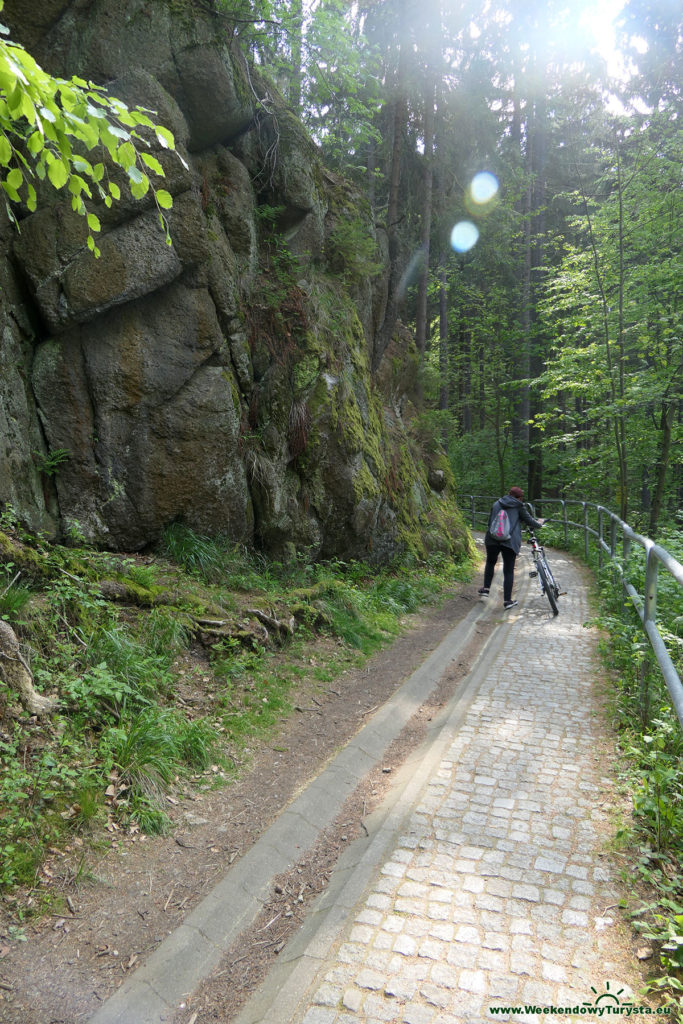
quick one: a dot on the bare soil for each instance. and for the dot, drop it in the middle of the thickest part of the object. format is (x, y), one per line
(121, 901)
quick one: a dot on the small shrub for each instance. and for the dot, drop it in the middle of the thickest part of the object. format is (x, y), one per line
(164, 632)
(199, 556)
(146, 752)
(13, 600)
(99, 694)
(140, 668)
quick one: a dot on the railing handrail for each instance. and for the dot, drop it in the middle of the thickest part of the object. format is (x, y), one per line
(655, 555)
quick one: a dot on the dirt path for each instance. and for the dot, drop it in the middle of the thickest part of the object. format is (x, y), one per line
(125, 899)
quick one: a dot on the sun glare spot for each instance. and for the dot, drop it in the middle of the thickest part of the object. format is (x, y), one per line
(464, 235)
(597, 20)
(484, 187)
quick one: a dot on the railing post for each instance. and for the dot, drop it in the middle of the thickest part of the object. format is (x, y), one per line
(651, 577)
(566, 524)
(600, 537)
(585, 531)
(625, 555)
(613, 546)
(473, 513)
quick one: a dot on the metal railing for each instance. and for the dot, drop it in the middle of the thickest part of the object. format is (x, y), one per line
(610, 532)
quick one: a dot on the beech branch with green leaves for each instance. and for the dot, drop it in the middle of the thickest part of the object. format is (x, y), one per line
(48, 125)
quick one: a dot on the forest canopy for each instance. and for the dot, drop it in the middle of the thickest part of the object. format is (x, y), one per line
(549, 324)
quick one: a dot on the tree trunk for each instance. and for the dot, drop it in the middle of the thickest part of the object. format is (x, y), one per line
(662, 464)
(398, 124)
(443, 335)
(421, 326)
(296, 50)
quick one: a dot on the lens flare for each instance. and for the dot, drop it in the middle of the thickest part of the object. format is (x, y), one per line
(464, 235)
(484, 187)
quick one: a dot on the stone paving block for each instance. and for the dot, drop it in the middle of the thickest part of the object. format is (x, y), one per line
(377, 1008)
(405, 944)
(319, 1015)
(473, 981)
(445, 976)
(370, 979)
(462, 955)
(417, 1013)
(401, 988)
(327, 995)
(352, 1000)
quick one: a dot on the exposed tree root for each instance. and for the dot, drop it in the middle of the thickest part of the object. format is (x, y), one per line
(18, 676)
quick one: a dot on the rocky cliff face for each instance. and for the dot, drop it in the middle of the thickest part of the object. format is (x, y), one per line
(223, 380)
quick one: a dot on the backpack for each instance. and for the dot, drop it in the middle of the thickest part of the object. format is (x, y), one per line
(499, 527)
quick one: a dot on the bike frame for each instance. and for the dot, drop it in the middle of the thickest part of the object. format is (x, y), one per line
(545, 577)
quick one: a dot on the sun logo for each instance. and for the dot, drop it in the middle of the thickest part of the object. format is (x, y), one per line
(608, 997)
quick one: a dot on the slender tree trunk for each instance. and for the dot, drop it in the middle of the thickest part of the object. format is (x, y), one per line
(466, 379)
(666, 425)
(524, 407)
(421, 325)
(399, 119)
(621, 421)
(538, 229)
(617, 424)
(296, 52)
(443, 335)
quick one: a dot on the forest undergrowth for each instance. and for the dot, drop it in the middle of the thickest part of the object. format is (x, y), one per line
(163, 668)
(650, 742)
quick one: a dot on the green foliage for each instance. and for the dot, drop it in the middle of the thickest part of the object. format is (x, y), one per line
(148, 748)
(14, 597)
(200, 556)
(48, 124)
(352, 250)
(614, 312)
(122, 736)
(49, 464)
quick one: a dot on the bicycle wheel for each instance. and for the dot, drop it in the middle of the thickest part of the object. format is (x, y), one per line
(548, 584)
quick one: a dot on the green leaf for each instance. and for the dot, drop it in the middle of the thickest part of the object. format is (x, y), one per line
(35, 143)
(164, 199)
(15, 178)
(94, 222)
(5, 150)
(125, 155)
(139, 189)
(11, 192)
(136, 175)
(58, 173)
(114, 190)
(152, 163)
(165, 137)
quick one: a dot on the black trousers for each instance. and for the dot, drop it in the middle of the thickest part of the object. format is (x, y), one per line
(509, 556)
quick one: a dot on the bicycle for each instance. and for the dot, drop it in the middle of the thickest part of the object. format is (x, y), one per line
(542, 572)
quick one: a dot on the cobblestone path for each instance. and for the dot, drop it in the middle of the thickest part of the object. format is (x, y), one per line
(497, 892)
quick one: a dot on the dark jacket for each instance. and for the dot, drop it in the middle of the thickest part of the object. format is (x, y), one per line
(517, 515)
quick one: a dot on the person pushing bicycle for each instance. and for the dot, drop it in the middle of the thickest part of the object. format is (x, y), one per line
(504, 537)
